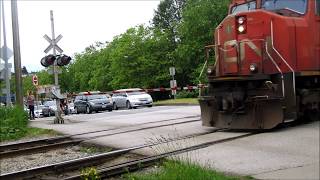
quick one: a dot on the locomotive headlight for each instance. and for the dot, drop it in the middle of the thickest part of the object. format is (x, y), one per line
(253, 67)
(241, 20)
(241, 29)
(209, 70)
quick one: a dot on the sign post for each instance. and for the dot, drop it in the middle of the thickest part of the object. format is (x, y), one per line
(6, 54)
(173, 83)
(53, 45)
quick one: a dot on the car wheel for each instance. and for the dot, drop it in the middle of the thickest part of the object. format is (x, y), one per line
(128, 105)
(88, 110)
(115, 106)
(149, 105)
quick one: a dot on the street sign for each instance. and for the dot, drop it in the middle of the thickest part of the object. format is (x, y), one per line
(172, 71)
(2, 70)
(173, 83)
(9, 53)
(53, 43)
(35, 80)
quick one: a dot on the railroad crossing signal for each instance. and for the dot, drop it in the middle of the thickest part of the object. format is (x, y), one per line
(35, 80)
(48, 60)
(53, 43)
(63, 60)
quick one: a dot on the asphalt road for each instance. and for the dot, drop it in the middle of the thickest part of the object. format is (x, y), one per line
(285, 153)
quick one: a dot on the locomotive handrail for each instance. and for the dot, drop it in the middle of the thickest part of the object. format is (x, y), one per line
(278, 68)
(293, 73)
(207, 57)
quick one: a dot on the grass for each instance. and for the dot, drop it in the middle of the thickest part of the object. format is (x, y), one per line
(192, 101)
(34, 132)
(94, 149)
(14, 125)
(174, 170)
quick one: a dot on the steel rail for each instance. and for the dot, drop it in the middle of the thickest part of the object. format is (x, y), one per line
(89, 161)
(46, 141)
(58, 144)
(14, 146)
(134, 165)
(35, 149)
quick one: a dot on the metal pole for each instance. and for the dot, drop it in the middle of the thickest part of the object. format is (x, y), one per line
(55, 71)
(174, 96)
(16, 51)
(56, 81)
(5, 58)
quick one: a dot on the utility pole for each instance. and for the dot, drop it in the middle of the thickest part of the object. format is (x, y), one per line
(6, 59)
(16, 51)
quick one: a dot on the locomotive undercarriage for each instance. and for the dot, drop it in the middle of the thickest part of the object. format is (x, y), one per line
(308, 97)
(259, 104)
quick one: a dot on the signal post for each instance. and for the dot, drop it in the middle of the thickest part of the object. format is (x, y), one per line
(55, 60)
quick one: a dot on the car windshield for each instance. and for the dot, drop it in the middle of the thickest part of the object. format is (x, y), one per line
(299, 6)
(136, 93)
(91, 97)
(244, 7)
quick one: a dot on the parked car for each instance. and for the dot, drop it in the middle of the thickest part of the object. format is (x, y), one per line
(71, 108)
(87, 103)
(49, 108)
(38, 111)
(131, 98)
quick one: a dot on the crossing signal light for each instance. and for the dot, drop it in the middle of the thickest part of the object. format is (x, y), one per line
(63, 60)
(48, 60)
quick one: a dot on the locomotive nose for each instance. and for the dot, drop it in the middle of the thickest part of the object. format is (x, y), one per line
(240, 45)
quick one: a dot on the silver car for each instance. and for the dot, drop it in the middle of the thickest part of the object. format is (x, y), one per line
(131, 98)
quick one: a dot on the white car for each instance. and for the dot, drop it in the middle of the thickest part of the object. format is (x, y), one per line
(38, 111)
(71, 108)
(131, 98)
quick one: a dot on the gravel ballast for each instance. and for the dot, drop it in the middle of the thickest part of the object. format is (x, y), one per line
(19, 163)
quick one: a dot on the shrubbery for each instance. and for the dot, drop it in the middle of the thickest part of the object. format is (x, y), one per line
(187, 94)
(13, 123)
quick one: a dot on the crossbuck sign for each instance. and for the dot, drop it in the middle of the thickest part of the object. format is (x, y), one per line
(53, 43)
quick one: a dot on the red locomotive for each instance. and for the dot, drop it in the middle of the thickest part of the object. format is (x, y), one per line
(267, 68)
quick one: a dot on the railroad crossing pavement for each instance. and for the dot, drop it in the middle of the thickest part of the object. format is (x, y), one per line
(287, 153)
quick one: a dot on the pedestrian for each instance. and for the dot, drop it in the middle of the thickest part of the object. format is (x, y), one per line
(30, 102)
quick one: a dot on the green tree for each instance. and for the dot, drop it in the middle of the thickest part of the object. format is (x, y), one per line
(199, 20)
(139, 59)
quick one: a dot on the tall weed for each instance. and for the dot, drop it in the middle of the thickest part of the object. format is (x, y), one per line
(13, 123)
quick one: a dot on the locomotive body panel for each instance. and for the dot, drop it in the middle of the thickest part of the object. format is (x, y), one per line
(267, 67)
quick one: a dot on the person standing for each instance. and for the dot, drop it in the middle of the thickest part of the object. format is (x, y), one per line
(30, 102)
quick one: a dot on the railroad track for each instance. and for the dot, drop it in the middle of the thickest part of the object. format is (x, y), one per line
(34, 146)
(70, 169)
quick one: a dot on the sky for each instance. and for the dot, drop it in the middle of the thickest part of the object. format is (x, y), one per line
(81, 23)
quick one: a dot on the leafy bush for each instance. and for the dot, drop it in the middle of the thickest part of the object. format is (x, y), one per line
(187, 94)
(13, 123)
(90, 173)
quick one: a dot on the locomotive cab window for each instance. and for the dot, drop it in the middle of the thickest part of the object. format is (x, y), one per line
(295, 6)
(244, 7)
